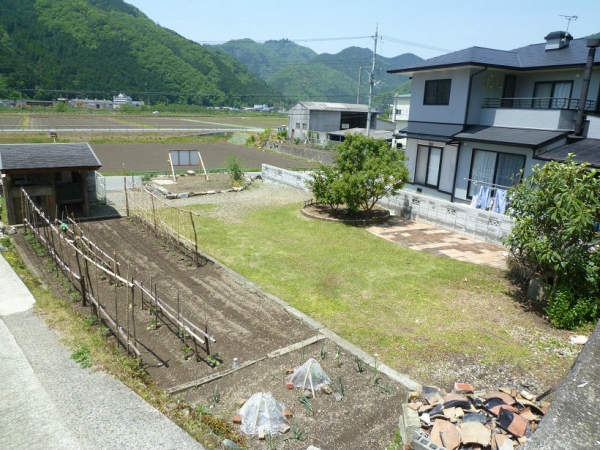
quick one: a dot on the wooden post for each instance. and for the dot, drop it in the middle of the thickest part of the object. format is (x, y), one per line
(133, 311)
(207, 340)
(126, 198)
(81, 275)
(196, 259)
(127, 311)
(180, 332)
(153, 212)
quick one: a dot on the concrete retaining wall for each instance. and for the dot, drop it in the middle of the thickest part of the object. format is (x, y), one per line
(310, 154)
(297, 180)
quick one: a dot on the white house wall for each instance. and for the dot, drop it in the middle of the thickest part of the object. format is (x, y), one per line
(466, 155)
(454, 112)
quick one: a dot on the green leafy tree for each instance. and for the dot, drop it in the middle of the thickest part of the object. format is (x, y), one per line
(556, 211)
(364, 171)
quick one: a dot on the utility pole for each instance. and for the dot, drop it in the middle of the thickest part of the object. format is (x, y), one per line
(372, 82)
(358, 91)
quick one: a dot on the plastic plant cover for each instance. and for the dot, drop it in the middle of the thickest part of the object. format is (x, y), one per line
(262, 411)
(309, 375)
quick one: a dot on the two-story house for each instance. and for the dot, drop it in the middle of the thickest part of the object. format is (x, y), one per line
(479, 116)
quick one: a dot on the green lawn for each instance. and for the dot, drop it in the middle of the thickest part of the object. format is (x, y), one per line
(411, 308)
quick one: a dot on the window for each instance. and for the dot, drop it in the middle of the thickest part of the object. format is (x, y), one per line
(429, 160)
(304, 126)
(493, 168)
(297, 125)
(553, 94)
(437, 92)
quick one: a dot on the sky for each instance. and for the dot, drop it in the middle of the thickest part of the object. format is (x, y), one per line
(427, 29)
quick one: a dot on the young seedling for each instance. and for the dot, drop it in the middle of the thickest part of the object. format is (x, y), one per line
(375, 378)
(360, 364)
(338, 356)
(304, 400)
(216, 396)
(302, 353)
(297, 433)
(154, 324)
(214, 359)
(339, 386)
(187, 351)
(323, 352)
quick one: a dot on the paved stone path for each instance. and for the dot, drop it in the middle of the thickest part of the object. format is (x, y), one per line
(428, 238)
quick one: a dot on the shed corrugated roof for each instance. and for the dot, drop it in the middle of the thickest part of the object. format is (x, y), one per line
(520, 137)
(584, 151)
(375, 134)
(328, 106)
(530, 57)
(47, 156)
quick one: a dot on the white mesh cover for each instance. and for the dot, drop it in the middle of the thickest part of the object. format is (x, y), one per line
(262, 411)
(309, 375)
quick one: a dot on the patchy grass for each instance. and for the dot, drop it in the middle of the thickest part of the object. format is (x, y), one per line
(411, 308)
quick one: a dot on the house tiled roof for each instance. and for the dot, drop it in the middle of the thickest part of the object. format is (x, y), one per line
(530, 57)
(521, 137)
(432, 131)
(584, 151)
(47, 156)
(328, 106)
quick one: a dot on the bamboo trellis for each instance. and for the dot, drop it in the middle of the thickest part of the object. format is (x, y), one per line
(65, 239)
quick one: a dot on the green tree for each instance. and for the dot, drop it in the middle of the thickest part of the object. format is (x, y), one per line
(556, 211)
(364, 171)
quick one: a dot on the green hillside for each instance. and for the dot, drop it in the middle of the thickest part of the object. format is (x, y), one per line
(301, 74)
(97, 48)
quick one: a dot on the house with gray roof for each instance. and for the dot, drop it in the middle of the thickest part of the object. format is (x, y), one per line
(479, 116)
(58, 177)
(311, 121)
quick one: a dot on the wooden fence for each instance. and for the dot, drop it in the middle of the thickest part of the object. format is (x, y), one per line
(85, 264)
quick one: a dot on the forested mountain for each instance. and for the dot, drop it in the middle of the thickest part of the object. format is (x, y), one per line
(301, 74)
(97, 48)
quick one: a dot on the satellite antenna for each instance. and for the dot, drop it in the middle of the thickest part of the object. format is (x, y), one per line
(569, 18)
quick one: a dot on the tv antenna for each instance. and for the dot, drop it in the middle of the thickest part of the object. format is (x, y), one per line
(569, 18)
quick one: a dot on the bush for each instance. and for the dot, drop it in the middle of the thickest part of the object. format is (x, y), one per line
(569, 312)
(234, 168)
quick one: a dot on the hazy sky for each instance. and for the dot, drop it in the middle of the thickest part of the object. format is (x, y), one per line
(425, 28)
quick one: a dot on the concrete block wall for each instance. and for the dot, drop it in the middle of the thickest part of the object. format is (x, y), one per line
(460, 218)
(292, 178)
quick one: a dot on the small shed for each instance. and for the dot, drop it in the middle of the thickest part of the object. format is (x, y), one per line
(58, 177)
(313, 120)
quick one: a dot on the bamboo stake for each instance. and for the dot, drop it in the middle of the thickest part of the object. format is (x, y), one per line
(133, 311)
(312, 387)
(128, 311)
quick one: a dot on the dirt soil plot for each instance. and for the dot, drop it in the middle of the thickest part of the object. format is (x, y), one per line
(77, 122)
(247, 326)
(141, 157)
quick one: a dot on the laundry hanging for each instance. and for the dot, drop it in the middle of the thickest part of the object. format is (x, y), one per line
(483, 197)
(500, 201)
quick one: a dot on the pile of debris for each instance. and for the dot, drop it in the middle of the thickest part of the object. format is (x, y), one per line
(467, 419)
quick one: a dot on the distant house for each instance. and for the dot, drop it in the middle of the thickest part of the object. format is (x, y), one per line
(90, 103)
(59, 178)
(479, 116)
(121, 100)
(313, 120)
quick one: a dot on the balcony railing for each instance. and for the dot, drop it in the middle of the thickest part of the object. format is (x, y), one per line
(537, 103)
